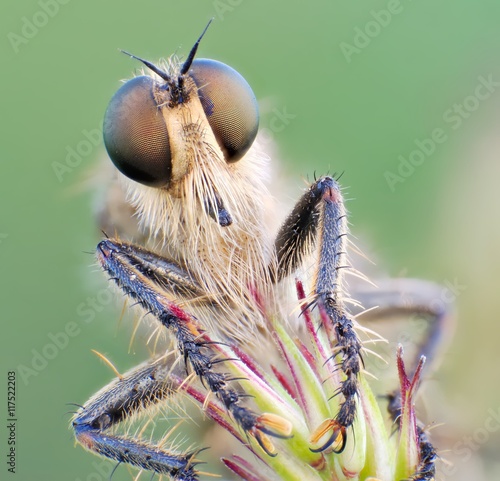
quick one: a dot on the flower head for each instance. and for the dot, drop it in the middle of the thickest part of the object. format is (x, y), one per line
(300, 434)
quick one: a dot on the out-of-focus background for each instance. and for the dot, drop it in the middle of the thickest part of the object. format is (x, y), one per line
(402, 96)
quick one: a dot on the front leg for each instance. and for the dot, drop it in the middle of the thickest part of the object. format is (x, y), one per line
(318, 225)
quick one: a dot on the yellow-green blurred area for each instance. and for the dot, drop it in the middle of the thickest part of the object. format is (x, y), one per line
(352, 87)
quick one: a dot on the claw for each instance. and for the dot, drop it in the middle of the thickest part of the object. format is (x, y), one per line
(274, 425)
(268, 424)
(264, 442)
(337, 436)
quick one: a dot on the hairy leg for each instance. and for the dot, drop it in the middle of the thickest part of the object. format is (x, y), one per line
(136, 391)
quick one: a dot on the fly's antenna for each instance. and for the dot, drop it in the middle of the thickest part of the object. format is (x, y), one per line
(150, 66)
(187, 64)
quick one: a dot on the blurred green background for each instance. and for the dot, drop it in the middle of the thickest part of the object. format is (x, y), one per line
(361, 87)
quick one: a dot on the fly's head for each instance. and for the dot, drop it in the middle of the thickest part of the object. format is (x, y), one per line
(190, 120)
(181, 134)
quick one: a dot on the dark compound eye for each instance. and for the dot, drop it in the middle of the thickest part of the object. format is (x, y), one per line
(135, 134)
(229, 104)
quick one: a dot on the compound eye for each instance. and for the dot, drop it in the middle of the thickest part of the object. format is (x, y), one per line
(135, 134)
(229, 104)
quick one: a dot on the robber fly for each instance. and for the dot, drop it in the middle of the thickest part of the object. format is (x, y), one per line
(217, 271)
